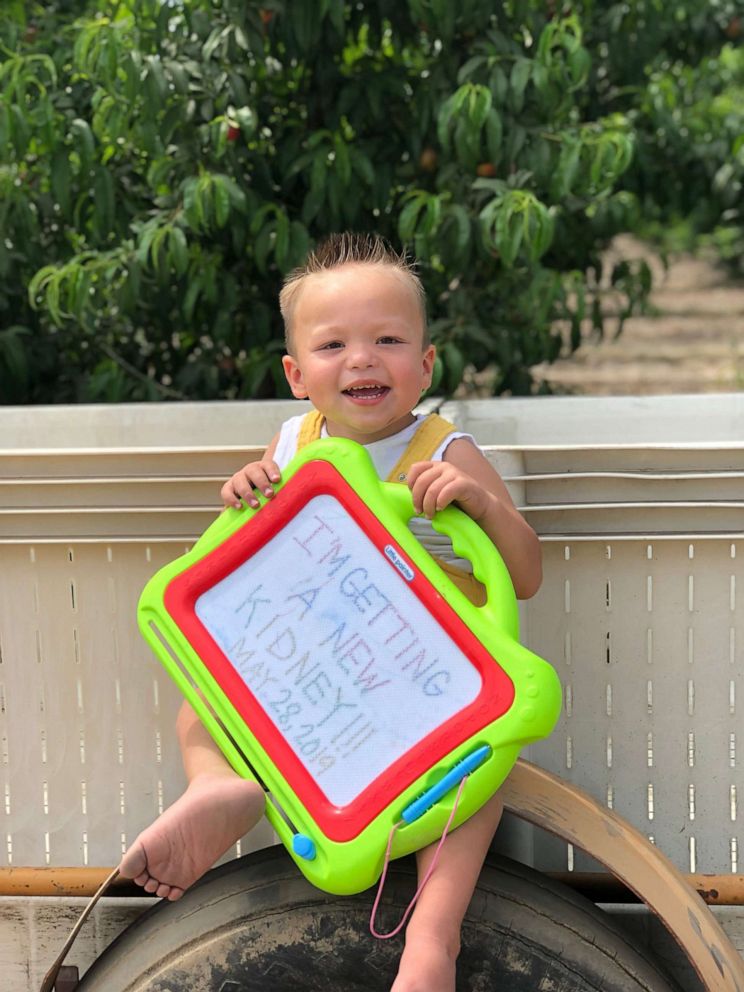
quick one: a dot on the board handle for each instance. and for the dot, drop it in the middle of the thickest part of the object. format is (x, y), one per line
(468, 541)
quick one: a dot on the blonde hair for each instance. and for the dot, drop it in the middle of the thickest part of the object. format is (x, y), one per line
(348, 248)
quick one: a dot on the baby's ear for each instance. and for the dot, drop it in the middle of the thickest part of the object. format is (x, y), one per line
(430, 354)
(296, 381)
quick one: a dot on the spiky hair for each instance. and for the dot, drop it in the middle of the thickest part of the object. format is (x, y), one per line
(348, 248)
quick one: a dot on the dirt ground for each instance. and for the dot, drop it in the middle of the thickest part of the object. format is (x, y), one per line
(691, 342)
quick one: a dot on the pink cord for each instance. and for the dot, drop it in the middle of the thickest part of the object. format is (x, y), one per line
(427, 876)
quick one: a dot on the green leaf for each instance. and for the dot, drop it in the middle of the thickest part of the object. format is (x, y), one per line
(462, 224)
(13, 352)
(448, 113)
(299, 241)
(84, 143)
(515, 139)
(238, 199)
(499, 85)
(144, 240)
(319, 171)
(568, 164)
(159, 250)
(38, 285)
(4, 126)
(479, 106)
(178, 250)
(467, 144)
(155, 84)
(432, 216)
(409, 216)
(15, 9)
(80, 301)
(496, 186)
(579, 64)
(103, 190)
(282, 243)
(262, 246)
(362, 166)
(20, 130)
(494, 135)
(221, 201)
(259, 218)
(193, 204)
(333, 200)
(178, 76)
(343, 160)
(213, 41)
(312, 204)
(247, 121)
(190, 299)
(305, 18)
(336, 14)
(61, 175)
(470, 68)
(518, 79)
(510, 230)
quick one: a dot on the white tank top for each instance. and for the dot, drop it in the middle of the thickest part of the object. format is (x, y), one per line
(385, 455)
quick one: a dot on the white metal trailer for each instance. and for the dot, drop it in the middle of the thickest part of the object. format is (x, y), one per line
(640, 507)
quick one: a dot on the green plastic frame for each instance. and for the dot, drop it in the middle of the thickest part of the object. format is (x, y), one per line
(352, 865)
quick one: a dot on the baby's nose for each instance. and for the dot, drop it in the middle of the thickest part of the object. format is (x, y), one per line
(361, 355)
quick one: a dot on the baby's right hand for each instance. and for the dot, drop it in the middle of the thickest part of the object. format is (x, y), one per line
(255, 475)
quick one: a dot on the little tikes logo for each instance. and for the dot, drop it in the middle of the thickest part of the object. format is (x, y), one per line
(403, 567)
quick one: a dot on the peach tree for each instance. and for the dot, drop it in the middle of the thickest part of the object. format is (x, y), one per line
(163, 163)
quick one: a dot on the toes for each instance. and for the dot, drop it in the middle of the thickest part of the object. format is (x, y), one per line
(157, 888)
(134, 862)
(152, 885)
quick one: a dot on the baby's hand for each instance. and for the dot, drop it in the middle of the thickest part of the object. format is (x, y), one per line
(255, 475)
(434, 485)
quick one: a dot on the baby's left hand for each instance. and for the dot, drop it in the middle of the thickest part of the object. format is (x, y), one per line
(434, 485)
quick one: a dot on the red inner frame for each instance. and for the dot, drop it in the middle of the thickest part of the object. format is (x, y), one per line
(494, 699)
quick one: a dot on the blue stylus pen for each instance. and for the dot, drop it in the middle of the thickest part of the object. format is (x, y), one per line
(453, 777)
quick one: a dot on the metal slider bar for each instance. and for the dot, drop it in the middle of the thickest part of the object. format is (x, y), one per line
(525, 508)
(717, 890)
(73, 540)
(632, 446)
(608, 538)
(95, 452)
(69, 480)
(643, 476)
(564, 538)
(31, 511)
(634, 505)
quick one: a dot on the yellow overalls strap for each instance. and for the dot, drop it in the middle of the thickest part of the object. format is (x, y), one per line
(310, 428)
(430, 434)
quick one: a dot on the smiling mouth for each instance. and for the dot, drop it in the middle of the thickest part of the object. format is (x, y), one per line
(369, 392)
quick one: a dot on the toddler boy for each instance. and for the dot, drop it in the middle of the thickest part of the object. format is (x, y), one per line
(358, 349)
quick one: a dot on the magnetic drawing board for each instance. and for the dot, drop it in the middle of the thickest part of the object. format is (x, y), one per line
(337, 663)
(343, 717)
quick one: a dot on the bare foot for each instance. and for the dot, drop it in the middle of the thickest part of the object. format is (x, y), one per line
(427, 965)
(212, 814)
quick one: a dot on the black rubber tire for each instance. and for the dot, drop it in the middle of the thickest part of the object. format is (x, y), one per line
(256, 925)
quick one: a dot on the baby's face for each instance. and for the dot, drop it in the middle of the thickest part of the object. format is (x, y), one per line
(358, 351)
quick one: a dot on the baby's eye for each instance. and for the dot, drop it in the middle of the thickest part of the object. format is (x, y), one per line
(389, 339)
(331, 344)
